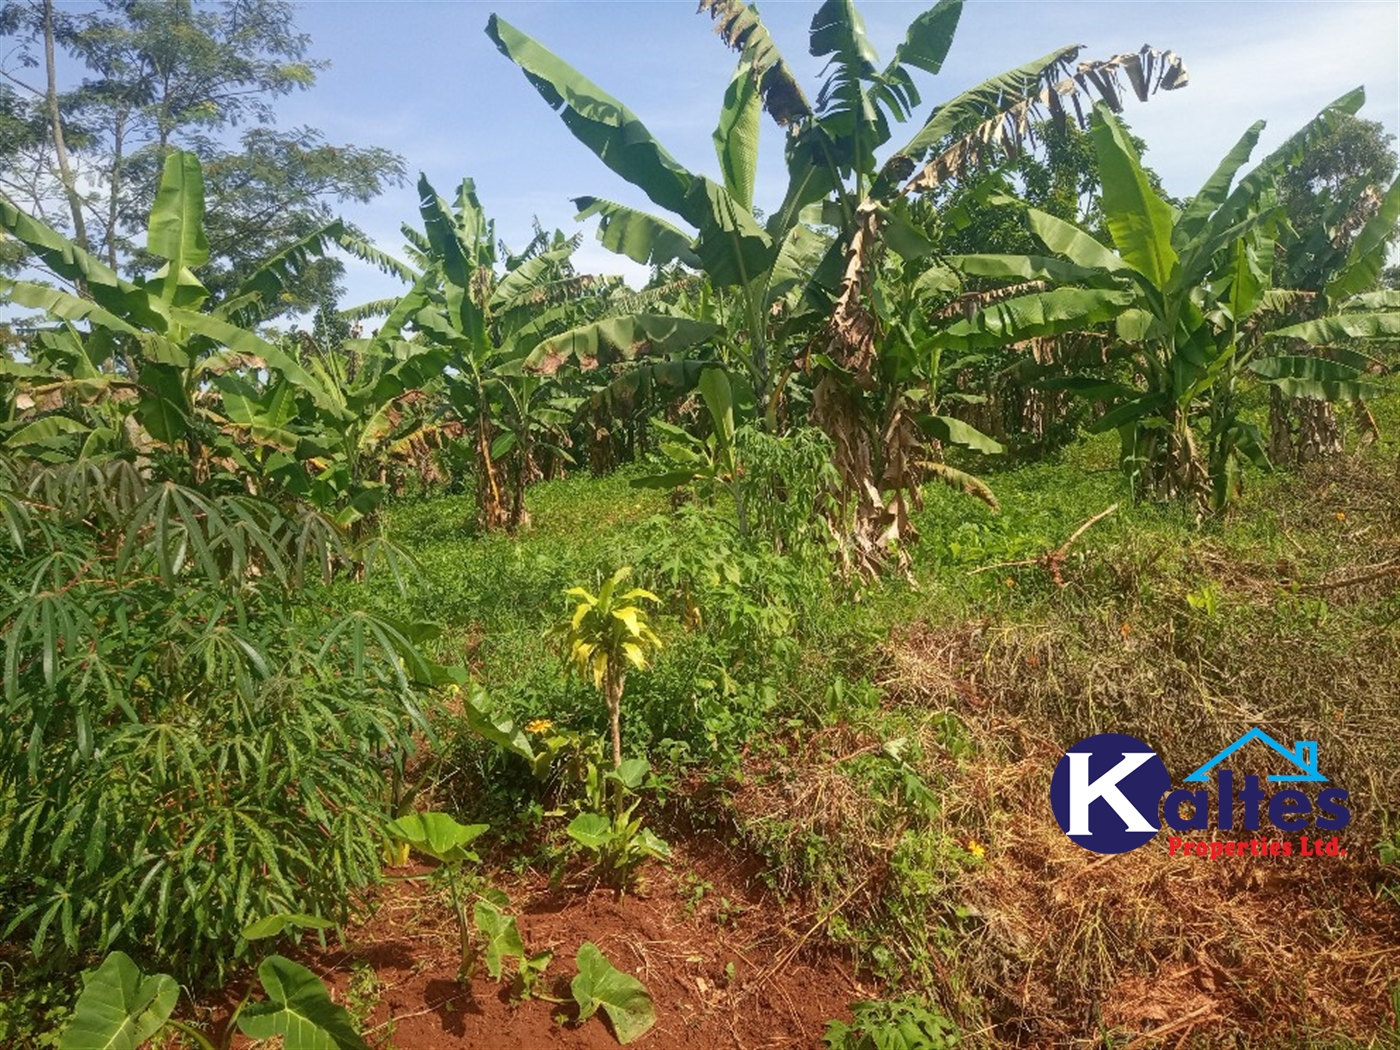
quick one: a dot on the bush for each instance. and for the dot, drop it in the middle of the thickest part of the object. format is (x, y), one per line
(187, 744)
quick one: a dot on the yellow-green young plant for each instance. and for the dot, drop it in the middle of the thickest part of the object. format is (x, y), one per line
(605, 634)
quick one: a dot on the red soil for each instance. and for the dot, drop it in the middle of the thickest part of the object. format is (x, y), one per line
(728, 967)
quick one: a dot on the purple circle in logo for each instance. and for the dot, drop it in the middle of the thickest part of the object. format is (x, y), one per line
(1107, 793)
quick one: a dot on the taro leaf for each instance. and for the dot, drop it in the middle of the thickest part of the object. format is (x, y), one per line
(590, 830)
(119, 1009)
(623, 998)
(299, 1009)
(275, 924)
(437, 835)
(652, 844)
(633, 772)
(501, 934)
(491, 725)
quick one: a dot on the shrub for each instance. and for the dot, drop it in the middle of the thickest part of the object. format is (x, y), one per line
(187, 743)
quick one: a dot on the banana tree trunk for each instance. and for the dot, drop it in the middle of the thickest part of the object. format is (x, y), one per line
(1173, 468)
(875, 446)
(877, 464)
(1301, 429)
(1318, 433)
(523, 472)
(490, 507)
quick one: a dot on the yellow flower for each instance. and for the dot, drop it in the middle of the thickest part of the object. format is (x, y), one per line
(539, 725)
(1341, 516)
(1009, 582)
(976, 848)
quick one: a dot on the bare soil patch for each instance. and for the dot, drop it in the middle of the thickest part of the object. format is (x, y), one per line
(713, 947)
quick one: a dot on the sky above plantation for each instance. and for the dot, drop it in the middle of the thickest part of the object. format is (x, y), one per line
(423, 79)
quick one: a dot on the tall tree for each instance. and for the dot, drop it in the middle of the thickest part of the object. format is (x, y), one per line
(168, 74)
(1330, 195)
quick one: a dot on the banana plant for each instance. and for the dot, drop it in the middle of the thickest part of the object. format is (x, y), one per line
(507, 332)
(161, 369)
(1335, 316)
(156, 337)
(1186, 291)
(914, 374)
(792, 278)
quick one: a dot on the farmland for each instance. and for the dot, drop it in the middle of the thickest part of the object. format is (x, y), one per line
(538, 657)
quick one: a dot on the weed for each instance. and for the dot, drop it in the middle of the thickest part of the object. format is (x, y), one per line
(905, 1024)
(692, 890)
(362, 993)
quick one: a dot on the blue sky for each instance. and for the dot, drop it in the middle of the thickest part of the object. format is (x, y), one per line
(423, 79)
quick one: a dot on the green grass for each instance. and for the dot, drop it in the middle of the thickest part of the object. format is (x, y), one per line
(1180, 631)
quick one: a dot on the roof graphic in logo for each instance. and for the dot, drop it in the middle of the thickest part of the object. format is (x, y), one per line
(1303, 756)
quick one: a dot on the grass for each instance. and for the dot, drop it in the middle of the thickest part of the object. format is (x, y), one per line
(884, 753)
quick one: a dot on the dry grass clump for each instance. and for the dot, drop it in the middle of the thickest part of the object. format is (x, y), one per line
(1072, 948)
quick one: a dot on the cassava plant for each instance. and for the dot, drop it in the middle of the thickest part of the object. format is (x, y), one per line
(189, 739)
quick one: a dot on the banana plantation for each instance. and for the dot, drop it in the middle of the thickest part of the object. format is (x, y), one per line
(535, 656)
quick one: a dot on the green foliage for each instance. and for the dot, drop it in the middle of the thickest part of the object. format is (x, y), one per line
(501, 935)
(276, 925)
(604, 634)
(620, 995)
(1187, 290)
(529, 977)
(606, 827)
(438, 836)
(297, 1008)
(779, 485)
(159, 660)
(899, 1025)
(166, 371)
(120, 1008)
(1389, 852)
